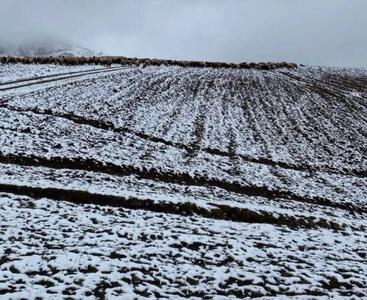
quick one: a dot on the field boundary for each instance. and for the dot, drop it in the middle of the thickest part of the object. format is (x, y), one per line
(122, 60)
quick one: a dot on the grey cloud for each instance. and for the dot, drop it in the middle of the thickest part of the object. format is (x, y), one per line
(327, 32)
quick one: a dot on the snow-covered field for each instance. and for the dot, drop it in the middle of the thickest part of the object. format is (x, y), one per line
(179, 182)
(19, 72)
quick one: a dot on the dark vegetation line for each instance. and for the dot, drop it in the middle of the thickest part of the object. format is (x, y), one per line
(190, 148)
(173, 177)
(109, 60)
(220, 212)
(62, 78)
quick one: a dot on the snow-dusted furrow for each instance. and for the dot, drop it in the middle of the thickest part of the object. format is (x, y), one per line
(182, 178)
(96, 147)
(166, 195)
(106, 125)
(17, 84)
(93, 152)
(296, 143)
(175, 182)
(54, 249)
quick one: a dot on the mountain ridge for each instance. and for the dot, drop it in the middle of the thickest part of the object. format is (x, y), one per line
(45, 48)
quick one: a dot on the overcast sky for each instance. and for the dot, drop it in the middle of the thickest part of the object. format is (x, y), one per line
(314, 32)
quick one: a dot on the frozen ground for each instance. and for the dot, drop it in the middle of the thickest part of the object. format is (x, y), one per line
(18, 72)
(53, 249)
(178, 182)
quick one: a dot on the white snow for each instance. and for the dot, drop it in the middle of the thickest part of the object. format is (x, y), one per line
(283, 152)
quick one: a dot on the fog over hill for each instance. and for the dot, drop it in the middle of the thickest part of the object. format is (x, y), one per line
(313, 32)
(43, 47)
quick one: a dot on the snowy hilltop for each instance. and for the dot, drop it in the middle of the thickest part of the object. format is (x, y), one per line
(43, 47)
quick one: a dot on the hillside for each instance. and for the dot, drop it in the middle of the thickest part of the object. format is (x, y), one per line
(43, 48)
(178, 182)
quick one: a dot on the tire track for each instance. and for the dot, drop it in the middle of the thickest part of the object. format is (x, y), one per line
(228, 108)
(49, 76)
(166, 124)
(62, 78)
(198, 133)
(135, 97)
(193, 87)
(249, 104)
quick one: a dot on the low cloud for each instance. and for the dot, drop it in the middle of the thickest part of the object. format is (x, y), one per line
(328, 32)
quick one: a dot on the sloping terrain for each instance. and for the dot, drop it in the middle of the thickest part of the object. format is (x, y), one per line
(22, 73)
(184, 182)
(44, 47)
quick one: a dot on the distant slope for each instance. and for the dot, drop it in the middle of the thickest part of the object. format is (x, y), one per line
(44, 48)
